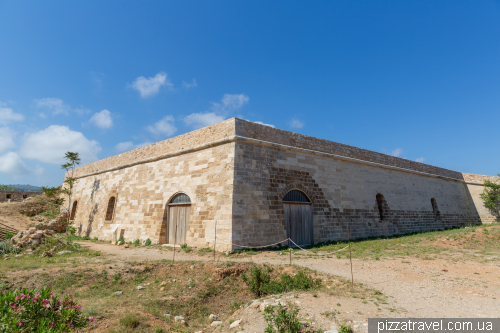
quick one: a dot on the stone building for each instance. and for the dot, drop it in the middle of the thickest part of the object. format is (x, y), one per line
(16, 195)
(255, 185)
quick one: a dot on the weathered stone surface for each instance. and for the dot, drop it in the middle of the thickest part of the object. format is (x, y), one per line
(235, 324)
(236, 174)
(216, 323)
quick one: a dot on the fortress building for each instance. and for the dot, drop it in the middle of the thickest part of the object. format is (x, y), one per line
(256, 185)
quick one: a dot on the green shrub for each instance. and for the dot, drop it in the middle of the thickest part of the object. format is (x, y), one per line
(130, 320)
(282, 319)
(121, 239)
(137, 242)
(31, 311)
(186, 248)
(260, 282)
(9, 235)
(7, 247)
(148, 242)
(345, 329)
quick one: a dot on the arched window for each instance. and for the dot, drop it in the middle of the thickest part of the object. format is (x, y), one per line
(111, 209)
(179, 209)
(73, 210)
(435, 208)
(382, 206)
(298, 217)
(295, 196)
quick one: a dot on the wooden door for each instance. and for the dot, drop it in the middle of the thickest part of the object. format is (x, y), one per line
(299, 222)
(178, 219)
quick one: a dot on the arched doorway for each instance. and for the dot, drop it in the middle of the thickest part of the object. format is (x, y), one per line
(178, 219)
(299, 217)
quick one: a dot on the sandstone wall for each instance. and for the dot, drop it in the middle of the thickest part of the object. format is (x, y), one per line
(16, 195)
(341, 192)
(142, 192)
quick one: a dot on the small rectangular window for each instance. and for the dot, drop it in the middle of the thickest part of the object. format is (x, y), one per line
(8, 196)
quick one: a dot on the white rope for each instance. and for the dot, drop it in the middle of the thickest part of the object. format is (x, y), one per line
(254, 247)
(316, 253)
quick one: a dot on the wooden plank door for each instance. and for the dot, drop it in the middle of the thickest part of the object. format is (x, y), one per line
(299, 224)
(178, 215)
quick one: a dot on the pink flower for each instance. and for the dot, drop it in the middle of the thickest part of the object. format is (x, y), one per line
(91, 319)
(51, 324)
(20, 323)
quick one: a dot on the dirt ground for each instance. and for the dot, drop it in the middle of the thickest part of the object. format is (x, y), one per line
(9, 215)
(414, 287)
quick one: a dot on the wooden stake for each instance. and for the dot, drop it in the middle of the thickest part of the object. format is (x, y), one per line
(350, 254)
(289, 244)
(175, 239)
(215, 242)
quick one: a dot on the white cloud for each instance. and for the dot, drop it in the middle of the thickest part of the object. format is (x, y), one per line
(397, 152)
(6, 138)
(295, 123)
(420, 159)
(189, 85)
(102, 119)
(129, 145)
(12, 164)
(82, 111)
(230, 103)
(199, 120)
(7, 115)
(164, 126)
(260, 122)
(151, 86)
(55, 105)
(50, 145)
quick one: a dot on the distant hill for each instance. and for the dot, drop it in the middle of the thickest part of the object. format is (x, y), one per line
(26, 188)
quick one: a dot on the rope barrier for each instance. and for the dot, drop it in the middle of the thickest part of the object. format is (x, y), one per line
(326, 254)
(254, 247)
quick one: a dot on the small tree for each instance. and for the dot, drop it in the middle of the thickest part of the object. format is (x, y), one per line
(491, 197)
(54, 193)
(6, 188)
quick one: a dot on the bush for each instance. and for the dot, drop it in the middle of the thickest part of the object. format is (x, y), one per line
(345, 329)
(186, 248)
(7, 247)
(31, 311)
(9, 235)
(260, 282)
(282, 319)
(130, 320)
(137, 242)
(148, 242)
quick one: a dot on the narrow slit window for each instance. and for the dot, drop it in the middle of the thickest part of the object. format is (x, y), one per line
(435, 208)
(73, 210)
(111, 209)
(381, 207)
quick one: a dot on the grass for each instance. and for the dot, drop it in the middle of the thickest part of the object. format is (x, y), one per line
(472, 241)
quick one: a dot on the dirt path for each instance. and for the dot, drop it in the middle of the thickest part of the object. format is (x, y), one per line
(424, 288)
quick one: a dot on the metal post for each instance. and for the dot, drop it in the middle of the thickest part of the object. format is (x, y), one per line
(350, 254)
(175, 239)
(215, 242)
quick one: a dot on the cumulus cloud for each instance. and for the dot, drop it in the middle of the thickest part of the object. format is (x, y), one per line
(397, 152)
(189, 85)
(102, 119)
(163, 127)
(54, 105)
(129, 145)
(199, 120)
(50, 145)
(295, 123)
(260, 122)
(230, 103)
(6, 138)
(7, 115)
(12, 164)
(218, 111)
(151, 86)
(420, 159)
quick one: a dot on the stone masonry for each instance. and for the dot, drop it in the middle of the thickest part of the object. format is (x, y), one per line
(16, 195)
(236, 174)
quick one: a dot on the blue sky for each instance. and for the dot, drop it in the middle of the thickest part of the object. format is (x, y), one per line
(420, 80)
